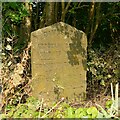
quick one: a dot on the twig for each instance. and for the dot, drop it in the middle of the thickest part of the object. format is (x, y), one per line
(40, 108)
(116, 97)
(112, 92)
(53, 107)
(103, 111)
(88, 104)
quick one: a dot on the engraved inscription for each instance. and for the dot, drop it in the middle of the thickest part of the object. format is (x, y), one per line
(58, 62)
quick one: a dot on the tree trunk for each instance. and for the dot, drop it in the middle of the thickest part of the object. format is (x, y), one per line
(95, 24)
(94, 20)
(37, 16)
(25, 28)
(49, 16)
(64, 10)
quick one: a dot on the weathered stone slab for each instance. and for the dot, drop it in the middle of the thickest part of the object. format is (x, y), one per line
(59, 62)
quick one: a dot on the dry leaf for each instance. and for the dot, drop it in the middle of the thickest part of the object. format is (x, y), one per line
(8, 47)
(16, 79)
(9, 63)
(19, 69)
(8, 39)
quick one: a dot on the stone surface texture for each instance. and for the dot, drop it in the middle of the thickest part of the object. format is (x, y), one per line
(59, 62)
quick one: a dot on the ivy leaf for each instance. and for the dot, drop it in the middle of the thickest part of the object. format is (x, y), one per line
(70, 113)
(83, 113)
(93, 111)
(108, 103)
(78, 111)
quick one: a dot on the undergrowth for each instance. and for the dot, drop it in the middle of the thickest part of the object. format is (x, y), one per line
(34, 108)
(16, 89)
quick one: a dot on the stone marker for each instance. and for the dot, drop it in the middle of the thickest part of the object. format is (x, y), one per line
(58, 62)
